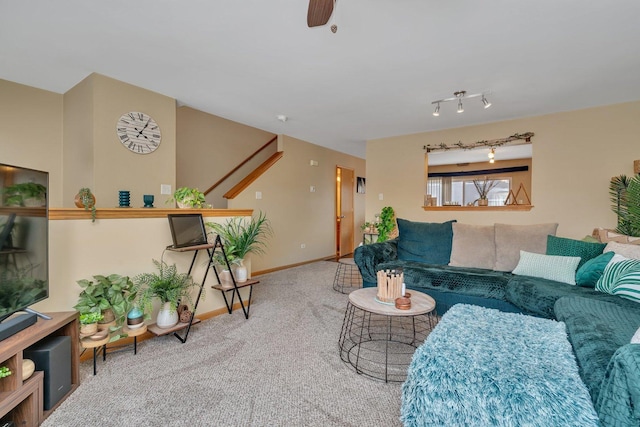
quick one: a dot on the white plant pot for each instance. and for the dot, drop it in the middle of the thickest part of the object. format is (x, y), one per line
(167, 318)
(33, 202)
(241, 272)
(225, 277)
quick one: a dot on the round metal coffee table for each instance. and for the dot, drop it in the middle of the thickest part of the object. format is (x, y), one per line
(378, 340)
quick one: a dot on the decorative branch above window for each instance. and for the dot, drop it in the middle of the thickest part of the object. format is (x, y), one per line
(480, 144)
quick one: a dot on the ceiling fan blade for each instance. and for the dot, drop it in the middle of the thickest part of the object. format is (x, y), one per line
(319, 12)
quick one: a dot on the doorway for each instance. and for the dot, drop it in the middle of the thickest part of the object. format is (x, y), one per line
(344, 211)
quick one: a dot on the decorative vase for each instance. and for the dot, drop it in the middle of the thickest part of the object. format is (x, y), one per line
(225, 277)
(28, 368)
(33, 202)
(241, 272)
(135, 318)
(483, 202)
(185, 203)
(167, 317)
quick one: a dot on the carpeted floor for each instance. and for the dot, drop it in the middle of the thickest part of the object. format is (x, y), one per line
(279, 368)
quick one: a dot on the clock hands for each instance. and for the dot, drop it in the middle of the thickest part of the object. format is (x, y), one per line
(142, 130)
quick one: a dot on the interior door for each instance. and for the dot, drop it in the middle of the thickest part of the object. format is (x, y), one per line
(345, 184)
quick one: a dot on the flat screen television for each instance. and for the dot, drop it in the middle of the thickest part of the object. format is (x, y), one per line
(24, 239)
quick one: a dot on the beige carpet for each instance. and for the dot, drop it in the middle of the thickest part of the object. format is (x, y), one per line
(279, 368)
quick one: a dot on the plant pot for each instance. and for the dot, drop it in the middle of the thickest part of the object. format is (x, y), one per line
(241, 272)
(89, 329)
(167, 317)
(107, 316)
(33, 202)
(483, 202)
(225, 277)
(78, 201)
(185, 203)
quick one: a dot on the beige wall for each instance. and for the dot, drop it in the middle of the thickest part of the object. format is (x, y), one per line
(209, 147)
(574, 156)
(31, 132)
(299, 216)
(115, 167)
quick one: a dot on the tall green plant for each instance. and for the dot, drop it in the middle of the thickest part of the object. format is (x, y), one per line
(387, 223)
(241, 237)
(633, 206)
(618, 196)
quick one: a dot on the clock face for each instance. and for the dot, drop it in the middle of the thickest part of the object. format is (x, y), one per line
(138, 132)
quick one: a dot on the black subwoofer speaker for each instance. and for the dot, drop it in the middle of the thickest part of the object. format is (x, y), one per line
(53, 356)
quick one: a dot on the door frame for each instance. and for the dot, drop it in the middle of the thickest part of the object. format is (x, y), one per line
(338, 210)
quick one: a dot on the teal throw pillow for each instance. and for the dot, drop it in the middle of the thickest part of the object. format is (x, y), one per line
(570, 247)
(428, 242)
(551, 267)
(588, 275)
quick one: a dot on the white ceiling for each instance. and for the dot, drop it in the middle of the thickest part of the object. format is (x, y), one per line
(251, 60)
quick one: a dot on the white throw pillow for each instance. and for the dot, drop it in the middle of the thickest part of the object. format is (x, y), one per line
(629, 251)
(552, 267)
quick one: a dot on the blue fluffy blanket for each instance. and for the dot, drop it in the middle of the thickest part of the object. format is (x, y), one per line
(483, 367)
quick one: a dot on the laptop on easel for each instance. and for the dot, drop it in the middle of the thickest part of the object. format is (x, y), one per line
(188, 232)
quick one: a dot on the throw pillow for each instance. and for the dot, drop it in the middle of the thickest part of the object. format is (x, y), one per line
(425, 241)
(613, 271)
(473, 246)
(511, 239)
(627, 285)
(627, 250)
(591, 271)
(570, 247)
(635, 339)
(552, 267)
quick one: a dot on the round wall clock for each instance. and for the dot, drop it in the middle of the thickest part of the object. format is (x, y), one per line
(138, 132)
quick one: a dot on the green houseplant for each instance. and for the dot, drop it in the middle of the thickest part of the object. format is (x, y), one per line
(25, 194)
(241, 237)
(187, 197)
(387, 223)
(89, 322)
(112, 296)
(85, 199)
(169, 286)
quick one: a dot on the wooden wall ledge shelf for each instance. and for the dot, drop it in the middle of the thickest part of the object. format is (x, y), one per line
(120, 213)
(518, 208)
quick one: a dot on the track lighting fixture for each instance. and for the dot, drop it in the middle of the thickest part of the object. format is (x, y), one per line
(458, 96)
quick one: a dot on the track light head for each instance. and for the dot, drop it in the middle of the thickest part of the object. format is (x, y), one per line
(460, 109)
(486, 103)
(436, 112)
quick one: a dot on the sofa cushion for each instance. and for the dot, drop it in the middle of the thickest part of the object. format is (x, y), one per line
(428, 242)
(626, 250)
(511, 239)
(473, 246)
(552, 267)
(571, 247)
(592, 270)
(596, 329)
(537, 296)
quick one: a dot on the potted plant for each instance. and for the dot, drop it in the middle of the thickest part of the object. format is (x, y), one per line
(26, 194)
(112, 296)
(169, 286)
(483, 187)
(89, 322)
(187, 197)
(387, 223)
(241, 237)
(85, 199)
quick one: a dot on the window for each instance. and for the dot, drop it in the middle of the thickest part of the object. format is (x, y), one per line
(461, 191)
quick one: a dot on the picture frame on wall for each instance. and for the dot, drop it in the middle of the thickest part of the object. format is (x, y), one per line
(360, 185)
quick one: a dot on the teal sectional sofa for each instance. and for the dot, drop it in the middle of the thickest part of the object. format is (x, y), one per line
(453, 263)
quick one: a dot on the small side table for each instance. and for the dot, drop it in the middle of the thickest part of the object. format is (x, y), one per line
(379, 340)
(101, 345)
(368, 238)
(347, 276)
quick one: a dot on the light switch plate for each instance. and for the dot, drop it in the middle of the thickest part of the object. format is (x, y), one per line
(165, 188)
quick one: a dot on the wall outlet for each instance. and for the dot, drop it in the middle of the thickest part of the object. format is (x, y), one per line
(380, 196)
(302, 246)
(258, 195)
(312, 189)
(313, 163)
(165, 188)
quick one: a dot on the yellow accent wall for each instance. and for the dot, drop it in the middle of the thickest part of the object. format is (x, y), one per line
(574, 156)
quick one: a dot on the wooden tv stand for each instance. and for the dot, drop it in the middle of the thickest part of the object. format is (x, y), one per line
(22, 402)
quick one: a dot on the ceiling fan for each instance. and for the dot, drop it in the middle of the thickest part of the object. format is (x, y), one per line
(319, 12)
